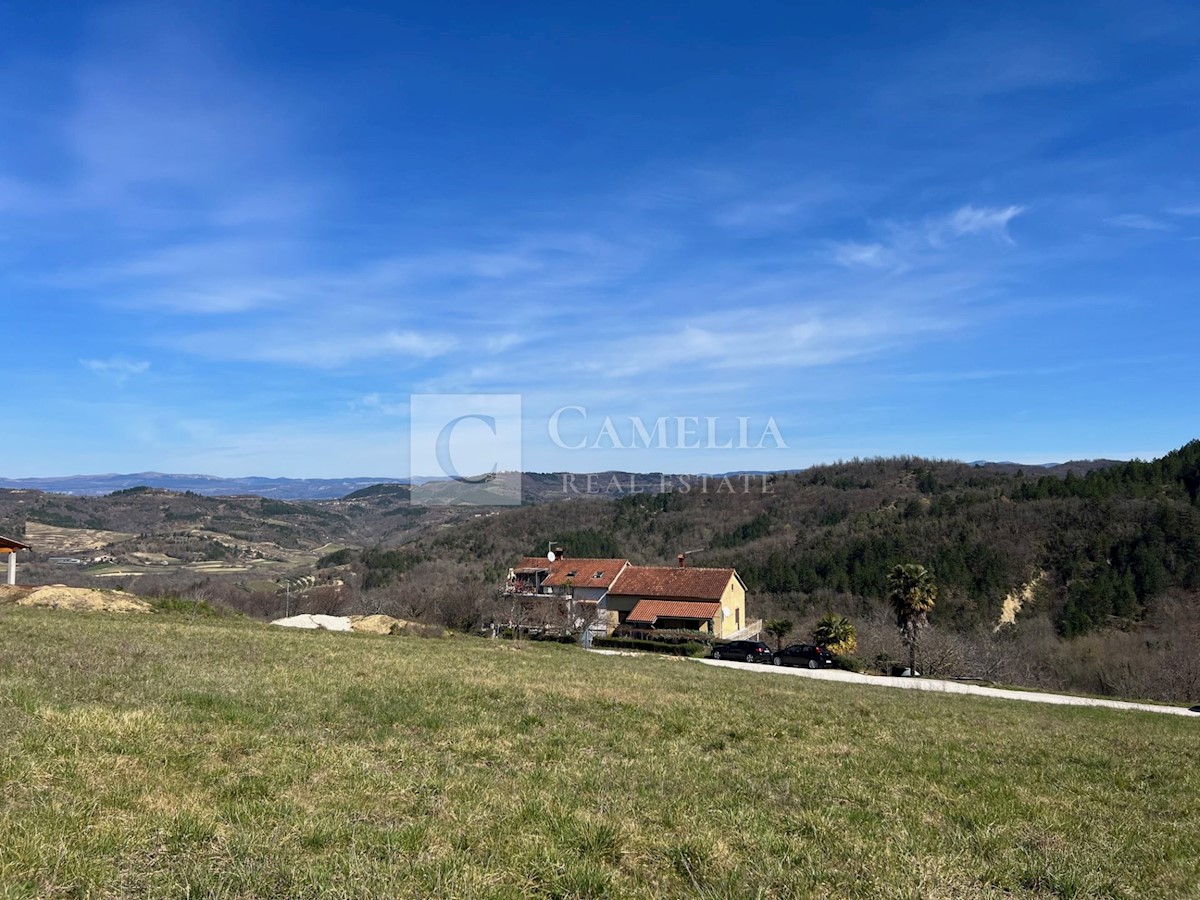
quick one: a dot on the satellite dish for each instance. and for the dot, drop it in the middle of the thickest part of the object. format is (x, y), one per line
(550, 556)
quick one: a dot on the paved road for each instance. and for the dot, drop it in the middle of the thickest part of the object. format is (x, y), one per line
(948, 687)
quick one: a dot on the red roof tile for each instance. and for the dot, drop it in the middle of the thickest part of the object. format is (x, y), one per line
(672, 582)
(579, 571)
(650, 611)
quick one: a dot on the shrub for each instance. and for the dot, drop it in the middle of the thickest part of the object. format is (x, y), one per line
(556, 638)
(837, 633)
(190, 607)
(689, 648)
(336, 558)
(848, 663)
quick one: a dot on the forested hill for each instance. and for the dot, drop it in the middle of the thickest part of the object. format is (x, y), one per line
(1094, 550)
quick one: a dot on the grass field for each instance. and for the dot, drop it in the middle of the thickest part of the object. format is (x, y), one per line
(157, 755)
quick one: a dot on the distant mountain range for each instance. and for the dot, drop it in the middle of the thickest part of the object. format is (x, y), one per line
(338, 488)
(207, 485)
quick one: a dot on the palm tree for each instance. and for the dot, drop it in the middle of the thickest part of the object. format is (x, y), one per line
(778, 629)
(912, 593)
(837, 633)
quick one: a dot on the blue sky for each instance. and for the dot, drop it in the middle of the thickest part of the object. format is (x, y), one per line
(234, 238)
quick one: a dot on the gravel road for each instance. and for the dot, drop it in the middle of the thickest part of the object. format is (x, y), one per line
(949, 687)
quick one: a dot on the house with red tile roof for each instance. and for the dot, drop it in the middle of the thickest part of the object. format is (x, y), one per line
(604, 594)
(583, 578)
(562, 592)
(693, 598)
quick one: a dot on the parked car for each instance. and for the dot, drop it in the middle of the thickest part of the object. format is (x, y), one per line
(804, 655)
(747, 651)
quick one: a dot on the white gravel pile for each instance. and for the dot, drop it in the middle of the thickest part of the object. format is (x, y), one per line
(325, 623)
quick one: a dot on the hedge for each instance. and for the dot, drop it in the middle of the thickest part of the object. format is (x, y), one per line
(691, 648)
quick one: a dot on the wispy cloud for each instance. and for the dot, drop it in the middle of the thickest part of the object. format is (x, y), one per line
(777, 339)
(382, 404)
(972, 220)
(313, 347)
(758, 214)
(832, 241)
(852, 253)
(987, 63)
(245, 273)
(1138, 222)
(908, 243)
(117, 369)
(170, 110)
(500, 343)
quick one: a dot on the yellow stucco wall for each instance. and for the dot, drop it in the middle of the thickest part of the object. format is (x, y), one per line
(734, 600)
(621, 603)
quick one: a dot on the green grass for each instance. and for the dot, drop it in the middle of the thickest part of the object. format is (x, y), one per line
(163, 756)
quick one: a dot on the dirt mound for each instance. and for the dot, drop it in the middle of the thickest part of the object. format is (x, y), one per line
(58, 596)
(9, 594)
(378, 624)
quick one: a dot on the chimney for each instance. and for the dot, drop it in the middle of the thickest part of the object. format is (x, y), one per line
(682, 560)
(560, 553)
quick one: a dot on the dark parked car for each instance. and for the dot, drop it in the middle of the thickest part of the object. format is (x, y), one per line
(747, 651)
(806, 655)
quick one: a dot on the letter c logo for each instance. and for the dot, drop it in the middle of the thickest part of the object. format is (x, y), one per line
(443, 448)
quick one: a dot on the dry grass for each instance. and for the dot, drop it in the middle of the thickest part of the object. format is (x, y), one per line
(160, 756)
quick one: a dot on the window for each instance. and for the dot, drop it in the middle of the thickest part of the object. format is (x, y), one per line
(737, 618)
(599, 574)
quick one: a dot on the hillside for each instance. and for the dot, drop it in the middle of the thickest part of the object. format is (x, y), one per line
(161, 755)
(1064, 578)
(1102, 547)
(179, 538)
(1097, 576)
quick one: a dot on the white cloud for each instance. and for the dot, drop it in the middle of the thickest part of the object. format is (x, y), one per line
(499, 343)
(1138, 222)
(306, 345)
(118, 369)
(852, 253)
(158, 102)
(971, 220)
(758, 214)
(909, 243)
(244, 273)
(379, 403)
(803, 337)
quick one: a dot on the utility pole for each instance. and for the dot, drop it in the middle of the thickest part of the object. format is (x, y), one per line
(287, 595)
